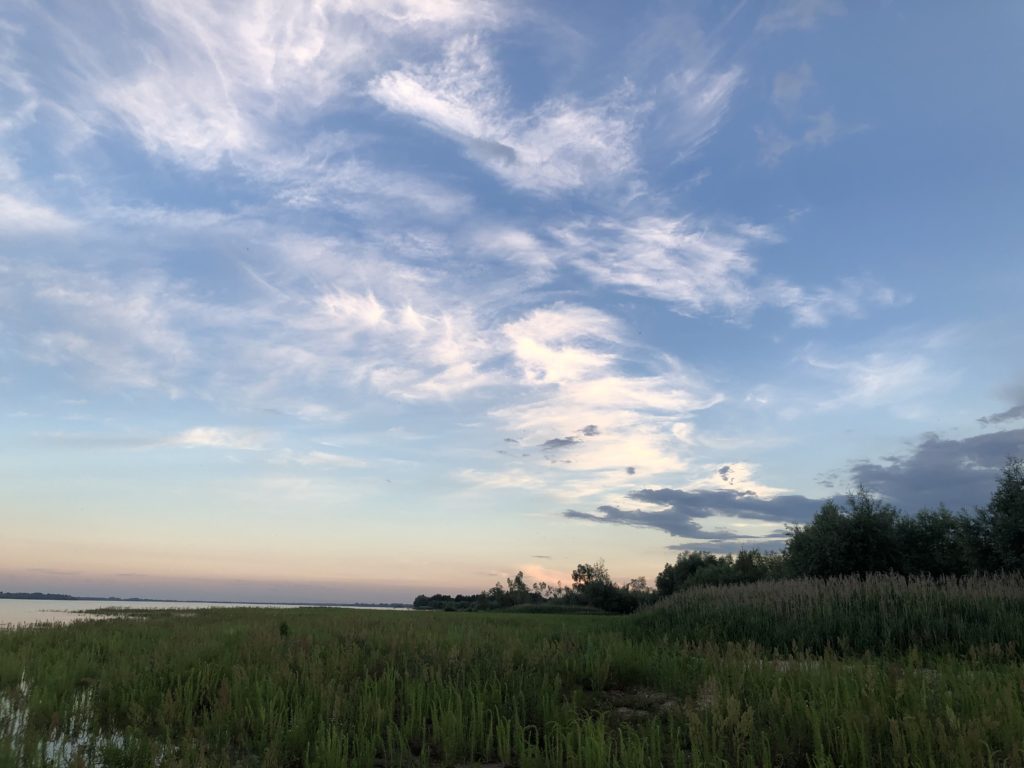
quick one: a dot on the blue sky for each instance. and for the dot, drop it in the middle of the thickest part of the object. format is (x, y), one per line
(352, 300)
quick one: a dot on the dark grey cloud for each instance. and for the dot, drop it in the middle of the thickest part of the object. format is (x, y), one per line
(511, 440)
(675, 525)
(630, 470)
(541, 557)
(682, 511)
(1016, 412)
(957, 473)
(827, 479)
(559, 442)
(696, 504)
(591, 430)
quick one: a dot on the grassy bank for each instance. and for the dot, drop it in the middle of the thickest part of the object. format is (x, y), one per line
(322, 687)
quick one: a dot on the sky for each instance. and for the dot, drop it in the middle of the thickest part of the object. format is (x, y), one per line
(353, 300)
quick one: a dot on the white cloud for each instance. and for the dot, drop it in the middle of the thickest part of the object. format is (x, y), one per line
(217, 437)
(699, 269)
(217, 78)
(817, 306)
(550, 344)
(735, 476)
(788, 86)
(683, 431)
(532, 259)
(799, 14)
(216, 86)
(574, 359)
(21, 216)
(821, 131)
(112, 365)
(561, 144)
(699, 100)
(135, 311)
(325, 175)
(320, 413)
(405, 330)
(679, 260)
(325, 458)
(19, 100)
(878, 379)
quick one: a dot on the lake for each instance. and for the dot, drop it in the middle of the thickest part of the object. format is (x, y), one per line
(23, 612)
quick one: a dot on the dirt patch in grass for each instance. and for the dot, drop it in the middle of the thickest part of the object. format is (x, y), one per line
(636, 704)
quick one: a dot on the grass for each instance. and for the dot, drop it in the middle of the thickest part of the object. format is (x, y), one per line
(881, 614)
(327, 687)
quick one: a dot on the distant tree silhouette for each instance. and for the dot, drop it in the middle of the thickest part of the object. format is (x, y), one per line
(1004, 517)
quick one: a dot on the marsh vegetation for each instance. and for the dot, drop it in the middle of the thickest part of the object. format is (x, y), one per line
(794, 675)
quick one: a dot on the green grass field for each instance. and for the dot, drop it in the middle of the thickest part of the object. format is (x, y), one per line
(330, 687)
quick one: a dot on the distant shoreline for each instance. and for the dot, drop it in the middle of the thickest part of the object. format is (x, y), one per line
(73, 598)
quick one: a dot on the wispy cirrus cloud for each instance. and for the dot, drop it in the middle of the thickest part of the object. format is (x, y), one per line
(252, 94)
(789, 86)
(228, 438)
(218, 437)
(799, 14)
(876, 379)
(327, 173)
(820, 130)
(19, 216)
(701, 99)
(560, 144)
(815, 307)
(124, 331)
(672, 259)
(686, 81)
(700, 268)
(216, 82)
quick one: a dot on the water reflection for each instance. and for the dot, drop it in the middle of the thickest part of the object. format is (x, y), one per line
(17, 613)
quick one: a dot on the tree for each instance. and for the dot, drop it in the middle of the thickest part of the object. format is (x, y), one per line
(858, 538)
(1004, 517)
(674, 575)
(518, 592)
(639, 584)
(938, 543)
(592, 585)
(586, 574)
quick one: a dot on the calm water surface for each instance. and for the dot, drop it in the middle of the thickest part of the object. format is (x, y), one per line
(22, 612)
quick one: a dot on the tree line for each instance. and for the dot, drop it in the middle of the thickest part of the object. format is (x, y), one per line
(862, 535)
(592, 590)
